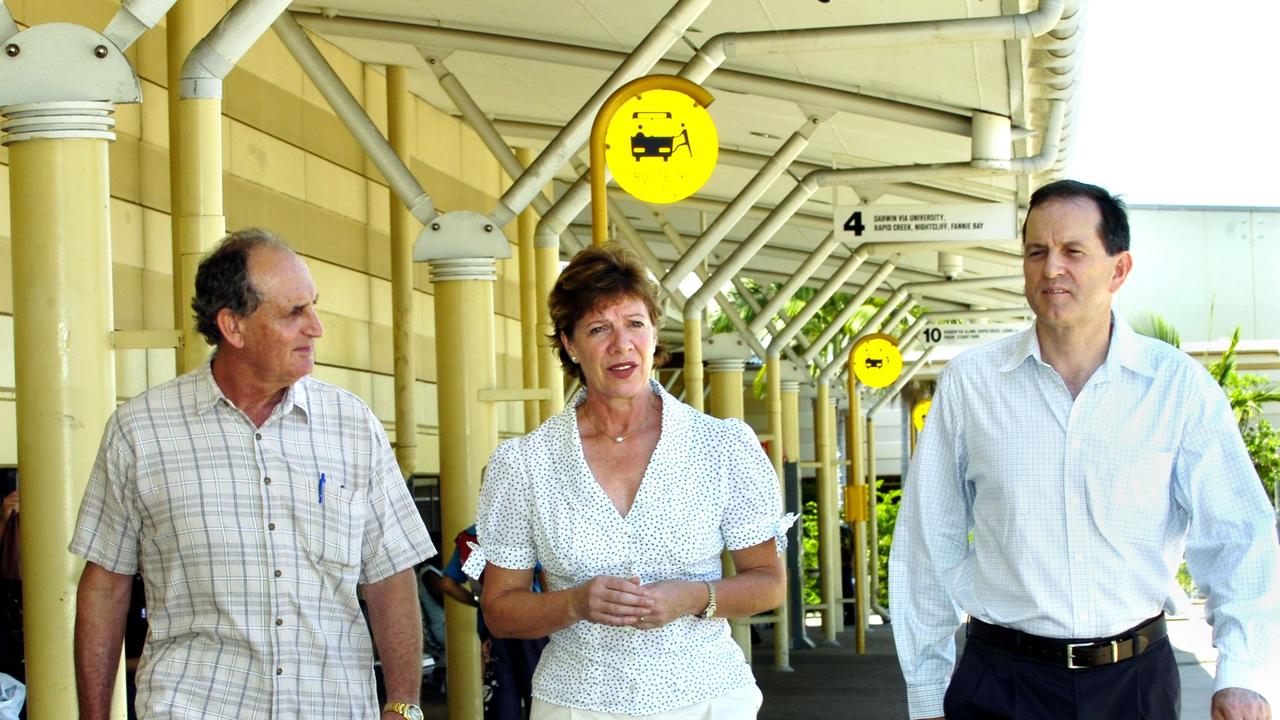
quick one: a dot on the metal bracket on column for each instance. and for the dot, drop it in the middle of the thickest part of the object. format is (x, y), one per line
(461, 234)
(61, 61)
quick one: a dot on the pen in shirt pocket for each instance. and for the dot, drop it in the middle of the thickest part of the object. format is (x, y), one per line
(320, 489)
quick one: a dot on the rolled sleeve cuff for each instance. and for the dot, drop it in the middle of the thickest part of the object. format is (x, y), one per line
(758, 532)
(925, 701)
(1261, 680)
(509, 557)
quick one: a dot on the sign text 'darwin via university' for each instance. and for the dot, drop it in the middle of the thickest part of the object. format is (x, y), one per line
(987, 222)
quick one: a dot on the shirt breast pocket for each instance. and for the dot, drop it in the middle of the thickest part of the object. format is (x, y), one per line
(331, 529)
(1130, 491)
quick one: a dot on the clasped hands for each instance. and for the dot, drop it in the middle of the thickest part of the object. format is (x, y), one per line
(625, 602)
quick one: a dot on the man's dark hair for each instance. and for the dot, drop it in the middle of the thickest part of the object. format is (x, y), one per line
(222, 280)
(1114, 227)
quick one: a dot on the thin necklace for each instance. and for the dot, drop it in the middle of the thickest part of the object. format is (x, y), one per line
(616, 438)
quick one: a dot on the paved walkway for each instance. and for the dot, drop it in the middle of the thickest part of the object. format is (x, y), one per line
(836, 683)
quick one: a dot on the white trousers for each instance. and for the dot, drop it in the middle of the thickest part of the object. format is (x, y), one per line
(740, 704)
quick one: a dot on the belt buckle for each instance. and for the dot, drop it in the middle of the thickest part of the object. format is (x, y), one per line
(1071, 658)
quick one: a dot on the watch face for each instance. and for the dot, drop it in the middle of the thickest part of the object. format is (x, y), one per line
(413, 712)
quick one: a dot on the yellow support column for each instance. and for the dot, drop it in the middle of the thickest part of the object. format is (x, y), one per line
(404, 233)
(550, 376)
(65, 378)
(465, 358)
(856, 513)
(693, 385)
(725, 401)
(531, 358)
(828, 528)
(773, 406)
(201, 223)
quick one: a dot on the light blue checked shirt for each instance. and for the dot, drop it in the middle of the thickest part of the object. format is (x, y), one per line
(1080, 510)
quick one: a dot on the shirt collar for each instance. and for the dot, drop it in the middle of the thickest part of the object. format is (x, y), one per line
(208, 394)
(1124, 350)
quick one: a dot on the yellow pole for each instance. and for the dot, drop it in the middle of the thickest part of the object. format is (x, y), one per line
(465, 358)
(182, 31)
(404, 233)
(65, 378)
(530, 357)
(550, 375)
(201, 223)
(773, 405)
(828, 531)
(693, 386)
(873, 529)
(725, 401)
(599, 204)
(856, 509)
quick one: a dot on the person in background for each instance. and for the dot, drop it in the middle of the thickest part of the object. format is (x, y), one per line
(628, 498)
(255, 500)
(507, 663)
(1061, 475)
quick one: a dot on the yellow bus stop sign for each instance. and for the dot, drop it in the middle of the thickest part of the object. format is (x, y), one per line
(918, 414)
(876, 360)
(661, 146)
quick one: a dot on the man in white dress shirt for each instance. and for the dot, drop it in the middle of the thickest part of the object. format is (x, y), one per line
(1061, 474)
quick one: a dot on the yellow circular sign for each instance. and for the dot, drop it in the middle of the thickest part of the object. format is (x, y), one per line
(918, 414)
(876, 360)
(661, 146)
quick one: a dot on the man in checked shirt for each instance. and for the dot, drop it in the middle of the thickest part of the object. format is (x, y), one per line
(1061, 474)
(254, 500)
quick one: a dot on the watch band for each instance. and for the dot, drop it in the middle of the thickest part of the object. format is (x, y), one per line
(406, 710)
(710, 612)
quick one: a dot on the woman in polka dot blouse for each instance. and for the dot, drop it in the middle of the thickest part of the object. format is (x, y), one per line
(628, 498)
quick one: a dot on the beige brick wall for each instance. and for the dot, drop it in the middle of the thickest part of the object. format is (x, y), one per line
(291, 166)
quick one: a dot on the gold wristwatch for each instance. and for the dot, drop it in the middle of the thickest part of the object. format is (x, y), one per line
(710, 612)
(405, 710)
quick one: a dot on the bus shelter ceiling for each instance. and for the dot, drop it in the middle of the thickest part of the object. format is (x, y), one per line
(529, 95)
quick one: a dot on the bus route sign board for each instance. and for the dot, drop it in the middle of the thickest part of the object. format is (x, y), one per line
(987, 222)
(969, 334)
(661, 146)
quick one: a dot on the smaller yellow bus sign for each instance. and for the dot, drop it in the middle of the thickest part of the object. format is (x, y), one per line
(918, 414)
(661, 146)
(876, 360)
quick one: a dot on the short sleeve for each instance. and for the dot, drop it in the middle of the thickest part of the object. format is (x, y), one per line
(504, 516)
(753, 507)
(395, 538)
(107, 529)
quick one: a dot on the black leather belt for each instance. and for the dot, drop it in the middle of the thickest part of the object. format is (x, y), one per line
(1073, 654)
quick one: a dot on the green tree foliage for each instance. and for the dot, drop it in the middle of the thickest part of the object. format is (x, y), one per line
(887, 502)
(1247, 393)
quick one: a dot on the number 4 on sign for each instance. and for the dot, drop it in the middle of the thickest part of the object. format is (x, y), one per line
(854, 223)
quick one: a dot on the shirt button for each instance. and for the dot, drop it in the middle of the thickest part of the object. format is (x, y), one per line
(631, 687)
(279, 622)
(258, 436)
(279, 671)
(266, 480)
(278, 573)
(271, 526)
